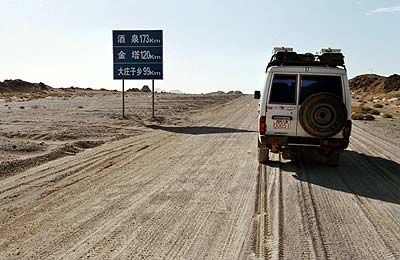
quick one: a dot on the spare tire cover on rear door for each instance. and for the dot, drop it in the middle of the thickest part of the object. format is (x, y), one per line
(323, 115)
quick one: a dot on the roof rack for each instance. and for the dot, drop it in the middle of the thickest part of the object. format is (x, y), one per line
(329, 50)
(325, 58)
(278, 49)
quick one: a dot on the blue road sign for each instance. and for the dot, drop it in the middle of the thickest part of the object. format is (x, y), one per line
(138, 54)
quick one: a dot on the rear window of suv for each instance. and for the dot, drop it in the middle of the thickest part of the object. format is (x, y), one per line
(313, 84)
(283, 89)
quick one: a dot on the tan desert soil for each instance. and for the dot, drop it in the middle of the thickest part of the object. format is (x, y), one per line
(197, 192)
(310, 211)
(34, 131)
(386, 128)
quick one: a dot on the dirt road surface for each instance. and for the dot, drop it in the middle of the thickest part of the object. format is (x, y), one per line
(198, 193)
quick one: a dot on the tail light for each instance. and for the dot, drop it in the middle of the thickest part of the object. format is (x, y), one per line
(262, 125)
(347, 129)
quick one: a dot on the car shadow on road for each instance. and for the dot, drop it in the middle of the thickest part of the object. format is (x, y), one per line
(360, 174)
(199, 130)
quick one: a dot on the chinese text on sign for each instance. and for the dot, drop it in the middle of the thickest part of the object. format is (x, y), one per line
(138, 54)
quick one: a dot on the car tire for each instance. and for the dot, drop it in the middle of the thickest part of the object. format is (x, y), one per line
(323, 115)
(263, 155)
(286, 154)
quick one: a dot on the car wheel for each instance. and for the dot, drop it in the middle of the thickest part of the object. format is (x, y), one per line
(323, 115)
(263, 155)
(286, 154)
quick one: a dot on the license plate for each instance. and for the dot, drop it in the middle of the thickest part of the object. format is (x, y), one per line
(281, 124)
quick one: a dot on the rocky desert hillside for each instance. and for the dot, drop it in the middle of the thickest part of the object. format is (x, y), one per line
(373, 84)
(375, 97)
(19, 89)
(20, 86)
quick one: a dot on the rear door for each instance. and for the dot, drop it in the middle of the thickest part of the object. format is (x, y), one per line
(281, 114)
(311, 84)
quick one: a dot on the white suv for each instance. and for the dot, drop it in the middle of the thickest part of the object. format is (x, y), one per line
(305, 104)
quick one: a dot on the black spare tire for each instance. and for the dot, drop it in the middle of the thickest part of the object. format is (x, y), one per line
(323, 115)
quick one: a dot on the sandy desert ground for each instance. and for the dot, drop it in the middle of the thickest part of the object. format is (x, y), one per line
(34, 131)
(188, 188)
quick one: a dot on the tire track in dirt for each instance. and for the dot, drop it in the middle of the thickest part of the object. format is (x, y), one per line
(153, 228)
(106, 229)
(261, 218)
(116, 202)
(269, 212)
(348, 212)
(182, 226)
(379, 218)
(86, 161)
(189, 246)
(176, 195)
(313, 213)
(71, 203)
(64, 174)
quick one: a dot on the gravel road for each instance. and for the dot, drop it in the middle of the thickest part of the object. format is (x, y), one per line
(307, 210)
(198, 193)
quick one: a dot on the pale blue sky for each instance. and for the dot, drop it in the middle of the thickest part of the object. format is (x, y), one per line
(208, 45)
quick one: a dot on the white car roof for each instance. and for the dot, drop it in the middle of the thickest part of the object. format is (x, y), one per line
(307, 69)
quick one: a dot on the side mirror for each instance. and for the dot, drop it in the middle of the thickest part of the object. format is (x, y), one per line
(257, 94)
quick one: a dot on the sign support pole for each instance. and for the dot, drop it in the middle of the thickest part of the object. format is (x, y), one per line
(152, 98)
(123, 99)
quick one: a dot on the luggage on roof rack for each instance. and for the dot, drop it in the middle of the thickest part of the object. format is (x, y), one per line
(286, 56)
(306, 57)
(332, 59)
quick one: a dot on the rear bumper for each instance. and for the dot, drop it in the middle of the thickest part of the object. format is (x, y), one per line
(270, 140)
